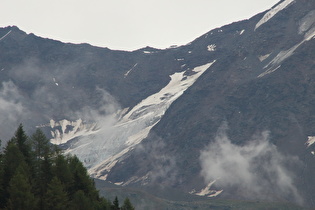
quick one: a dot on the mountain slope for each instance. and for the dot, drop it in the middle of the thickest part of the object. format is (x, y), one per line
(260, 84)
(229, 115)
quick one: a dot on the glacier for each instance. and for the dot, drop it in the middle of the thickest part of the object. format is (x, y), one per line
(101, 146)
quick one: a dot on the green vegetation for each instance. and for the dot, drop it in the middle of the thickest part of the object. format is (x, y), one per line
(36, 175)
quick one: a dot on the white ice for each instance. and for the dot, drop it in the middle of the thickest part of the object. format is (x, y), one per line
(211, 47)
(310, 141)
(273, 12)
(263, 57)
(207, 191)
(135, 125)
(307, 21)
(269, 71)
(101, 148)
(63, 135)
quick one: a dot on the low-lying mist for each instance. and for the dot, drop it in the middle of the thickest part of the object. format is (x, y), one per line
(256, 170)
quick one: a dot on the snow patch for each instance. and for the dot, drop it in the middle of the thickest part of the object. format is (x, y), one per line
(207, 191)
(269, 71)
(56, 83)
(273, 12)
(307, 21)
(242, 31)
(211, 47)
(263, 57)
(310, 141)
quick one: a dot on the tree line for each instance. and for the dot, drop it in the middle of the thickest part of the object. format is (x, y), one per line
(34, 174)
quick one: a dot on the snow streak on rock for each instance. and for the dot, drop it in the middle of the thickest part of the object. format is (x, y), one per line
(5, 35)
(273, 12)
(274, 64)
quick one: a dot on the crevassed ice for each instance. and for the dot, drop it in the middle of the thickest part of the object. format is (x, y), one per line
(101, 154)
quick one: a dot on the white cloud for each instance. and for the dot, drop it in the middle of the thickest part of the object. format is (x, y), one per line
(255, 170)
(12, 111)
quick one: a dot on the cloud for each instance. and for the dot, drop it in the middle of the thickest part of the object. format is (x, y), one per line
(12, 111)
(256, 170)
(164, 168)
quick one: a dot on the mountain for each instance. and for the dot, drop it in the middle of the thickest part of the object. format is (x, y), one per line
(229, 115)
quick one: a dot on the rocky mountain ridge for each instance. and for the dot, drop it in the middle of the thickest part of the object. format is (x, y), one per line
(240, 95)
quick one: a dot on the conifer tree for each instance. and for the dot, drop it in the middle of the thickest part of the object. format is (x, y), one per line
(62, 171)
(56, 198)
(36, 175)
(42, 154)
(1, 178)
(81, 202)
(127, 205)
(81, 178)
(12, 158)
(115, 205)
(21, 139)
(20, 194)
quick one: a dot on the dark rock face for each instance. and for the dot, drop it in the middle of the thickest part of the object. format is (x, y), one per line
(260, 89)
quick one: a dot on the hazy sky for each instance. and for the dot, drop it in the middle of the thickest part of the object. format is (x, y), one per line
(126, 24)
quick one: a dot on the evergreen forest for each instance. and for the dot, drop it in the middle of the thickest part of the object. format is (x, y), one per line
(34, 174)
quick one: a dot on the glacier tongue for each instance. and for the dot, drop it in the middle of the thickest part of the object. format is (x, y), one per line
(132, 128)
(104, 148)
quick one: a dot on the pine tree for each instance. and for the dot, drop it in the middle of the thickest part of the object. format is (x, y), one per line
(2, 192)
(115, 205)
(127, 205)
(21, 139)
(81, 178)
(81, 202)
(12, 158)
(21, 196)
(42, 155)
(56, 198)
(36, 175)
(62, 171)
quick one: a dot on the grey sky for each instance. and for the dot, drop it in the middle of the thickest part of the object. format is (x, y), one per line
(126, 24)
